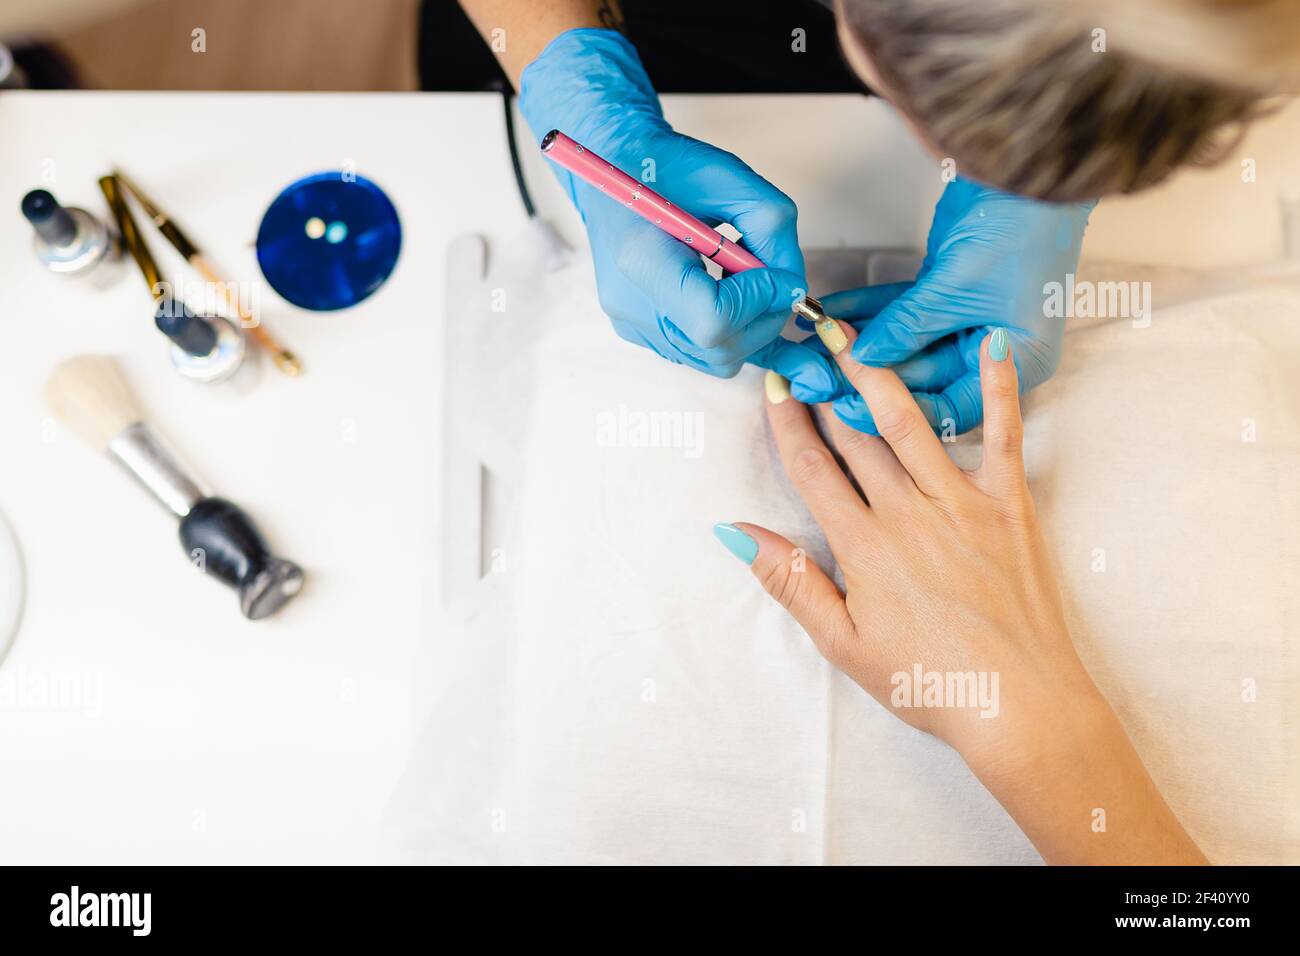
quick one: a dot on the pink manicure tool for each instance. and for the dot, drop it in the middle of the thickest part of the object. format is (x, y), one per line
(647, 203)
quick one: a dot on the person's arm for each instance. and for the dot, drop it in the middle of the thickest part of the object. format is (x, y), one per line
(951, 616)
(529, 27)
(1084, 797)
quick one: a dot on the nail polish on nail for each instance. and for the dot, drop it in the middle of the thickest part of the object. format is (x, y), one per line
(999, 344)
(832, 336)
(777, 387)
(736, 541)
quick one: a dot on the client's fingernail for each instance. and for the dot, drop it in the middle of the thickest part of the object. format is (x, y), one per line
(998, 345)
(832, 336)
(777, 388)
(736, 541)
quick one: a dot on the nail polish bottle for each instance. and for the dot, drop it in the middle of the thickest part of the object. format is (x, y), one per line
(204, 348)
(70, 241)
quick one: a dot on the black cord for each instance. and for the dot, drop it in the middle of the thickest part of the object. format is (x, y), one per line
(506, 99)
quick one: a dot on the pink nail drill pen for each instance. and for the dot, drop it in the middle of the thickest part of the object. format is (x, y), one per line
(647, 203)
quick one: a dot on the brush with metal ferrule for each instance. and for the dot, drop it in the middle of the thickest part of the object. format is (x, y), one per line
(89, 394)
(130, 234)
(284, 360)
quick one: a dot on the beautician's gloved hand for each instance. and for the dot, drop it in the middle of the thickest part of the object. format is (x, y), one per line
(590, 84)
(988, 257)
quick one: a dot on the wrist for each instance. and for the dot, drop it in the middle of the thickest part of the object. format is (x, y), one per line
(588, 82)
(1046, 737)
(1081, 794)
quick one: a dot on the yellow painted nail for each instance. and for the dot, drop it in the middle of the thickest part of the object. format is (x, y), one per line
(832, 336)
(777, 388)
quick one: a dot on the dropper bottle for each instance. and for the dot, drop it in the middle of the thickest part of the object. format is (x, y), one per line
(204, 348)
(69, 241)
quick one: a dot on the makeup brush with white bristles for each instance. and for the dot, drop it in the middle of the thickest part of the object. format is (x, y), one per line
(90, 395)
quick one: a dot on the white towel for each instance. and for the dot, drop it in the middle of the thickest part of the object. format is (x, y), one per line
(651, 704)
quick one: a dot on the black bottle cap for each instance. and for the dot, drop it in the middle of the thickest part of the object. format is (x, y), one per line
(193, 333)
(51, 221)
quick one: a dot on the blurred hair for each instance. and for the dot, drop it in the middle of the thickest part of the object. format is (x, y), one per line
(1074, 99)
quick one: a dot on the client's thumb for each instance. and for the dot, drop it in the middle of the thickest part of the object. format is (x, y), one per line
(790, 576)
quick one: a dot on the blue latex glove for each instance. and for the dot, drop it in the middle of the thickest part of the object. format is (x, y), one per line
(590, 84)
(988, 257)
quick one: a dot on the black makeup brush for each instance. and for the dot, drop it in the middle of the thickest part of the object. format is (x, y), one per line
(89, 394)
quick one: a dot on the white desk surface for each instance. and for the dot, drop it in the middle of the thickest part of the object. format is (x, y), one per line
(141, 719)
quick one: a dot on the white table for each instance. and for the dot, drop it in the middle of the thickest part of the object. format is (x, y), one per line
(144, 720)
(211, 738)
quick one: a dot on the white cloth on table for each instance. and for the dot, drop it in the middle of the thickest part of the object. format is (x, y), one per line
(635, 697)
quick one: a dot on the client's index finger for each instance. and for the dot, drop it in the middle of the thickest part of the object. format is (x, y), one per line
(825, 489)
(898, 418)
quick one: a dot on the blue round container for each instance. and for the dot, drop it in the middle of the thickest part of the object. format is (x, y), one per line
(329, 241)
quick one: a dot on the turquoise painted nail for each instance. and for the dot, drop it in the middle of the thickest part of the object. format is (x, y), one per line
(998, 345)
(736, 541)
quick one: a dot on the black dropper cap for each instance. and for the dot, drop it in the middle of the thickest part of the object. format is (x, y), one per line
(51, 221)
(191, 332)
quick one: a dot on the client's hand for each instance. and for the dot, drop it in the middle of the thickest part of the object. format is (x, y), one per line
(951, 616)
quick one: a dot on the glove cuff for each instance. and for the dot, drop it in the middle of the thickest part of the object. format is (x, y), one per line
(587, 83)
